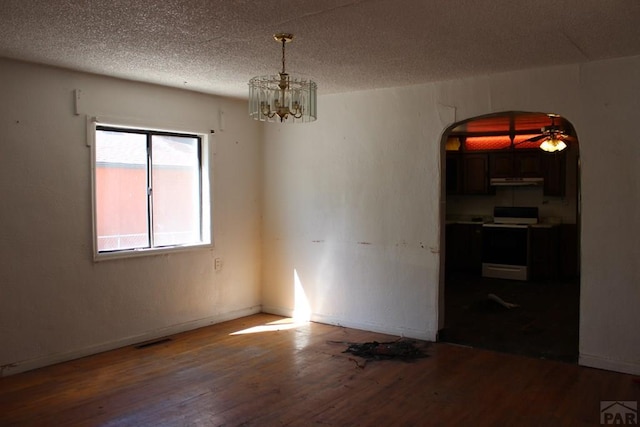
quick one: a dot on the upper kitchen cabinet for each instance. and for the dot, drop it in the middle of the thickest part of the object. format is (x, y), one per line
(501, 164)
(467, 173)
(554, 167)
(515, 164)
(520, 145)
(507, 147)
(527, 163)
(475, 167)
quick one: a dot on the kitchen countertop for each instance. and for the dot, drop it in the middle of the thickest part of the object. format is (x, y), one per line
(480, 222)
(544, 222)
(545, 225)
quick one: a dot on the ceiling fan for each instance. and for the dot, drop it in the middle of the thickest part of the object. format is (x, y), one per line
(552, 137)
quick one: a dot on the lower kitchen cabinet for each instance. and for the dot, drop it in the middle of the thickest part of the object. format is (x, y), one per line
(552, 250)
(464, 248)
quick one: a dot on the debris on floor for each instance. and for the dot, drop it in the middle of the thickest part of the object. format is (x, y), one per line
(405, 350)
(498, 300)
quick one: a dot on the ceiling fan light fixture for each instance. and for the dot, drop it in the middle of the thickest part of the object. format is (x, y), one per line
(554, 140)
(552, 144)
(282, 97)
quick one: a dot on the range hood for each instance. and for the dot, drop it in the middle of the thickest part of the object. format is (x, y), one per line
(516, 181)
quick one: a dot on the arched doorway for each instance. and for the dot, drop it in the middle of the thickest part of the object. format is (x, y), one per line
(511, 220)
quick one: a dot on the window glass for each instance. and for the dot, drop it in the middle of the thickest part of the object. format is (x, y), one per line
(121, 191)
(176, 190)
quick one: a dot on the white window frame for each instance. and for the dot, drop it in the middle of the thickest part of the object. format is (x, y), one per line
(206, 189)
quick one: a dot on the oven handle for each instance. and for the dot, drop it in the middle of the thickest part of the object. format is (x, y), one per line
(500, 268)
(505, 225)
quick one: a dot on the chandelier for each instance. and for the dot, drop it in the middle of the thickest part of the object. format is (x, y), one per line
(282, 97)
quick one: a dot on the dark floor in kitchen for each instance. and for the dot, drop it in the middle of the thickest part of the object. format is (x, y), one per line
(545, 325)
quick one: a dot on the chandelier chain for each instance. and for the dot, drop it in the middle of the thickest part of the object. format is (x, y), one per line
(284, 41)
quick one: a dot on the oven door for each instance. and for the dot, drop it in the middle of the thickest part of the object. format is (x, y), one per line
(505, 251)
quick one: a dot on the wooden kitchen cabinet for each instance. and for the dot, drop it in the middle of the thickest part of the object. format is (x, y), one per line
(466, 173)
(527, 163)
(554, 166)
(469, 173)
(474, 173)
(515, 164)
(501, 164)
(463, 248)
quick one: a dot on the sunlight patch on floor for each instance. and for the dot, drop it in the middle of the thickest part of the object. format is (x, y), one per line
(278, 325)
(301, 312)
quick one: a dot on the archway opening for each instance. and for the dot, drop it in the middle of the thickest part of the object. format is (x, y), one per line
(511, 219)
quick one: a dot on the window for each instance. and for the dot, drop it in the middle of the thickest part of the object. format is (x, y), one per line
(150, 190)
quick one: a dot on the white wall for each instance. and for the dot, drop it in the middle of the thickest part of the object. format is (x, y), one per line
(351, 205)
(352, 201)
(55, 302)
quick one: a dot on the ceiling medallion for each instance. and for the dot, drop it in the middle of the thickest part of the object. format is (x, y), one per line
(282, 97)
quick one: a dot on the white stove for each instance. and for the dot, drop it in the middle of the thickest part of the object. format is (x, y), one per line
(515, 215)
(505, 243)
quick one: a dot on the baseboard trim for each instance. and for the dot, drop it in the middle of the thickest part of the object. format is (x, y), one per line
(27, 365)
(365, 326)
(609, 364)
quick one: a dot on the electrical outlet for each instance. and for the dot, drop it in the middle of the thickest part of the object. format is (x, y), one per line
(218, 264)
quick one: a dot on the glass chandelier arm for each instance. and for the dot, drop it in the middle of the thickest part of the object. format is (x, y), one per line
(298, 111)
(266, 110)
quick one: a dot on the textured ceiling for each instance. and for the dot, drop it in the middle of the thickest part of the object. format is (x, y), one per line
(216, 46)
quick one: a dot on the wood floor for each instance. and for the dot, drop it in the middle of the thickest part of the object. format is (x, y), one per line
(295, 377)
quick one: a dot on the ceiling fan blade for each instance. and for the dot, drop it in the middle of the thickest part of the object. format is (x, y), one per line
(534, 139)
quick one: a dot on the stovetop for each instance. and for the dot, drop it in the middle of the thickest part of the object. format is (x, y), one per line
(515, 215)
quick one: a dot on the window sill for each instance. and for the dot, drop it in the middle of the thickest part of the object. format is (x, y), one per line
(136, 253)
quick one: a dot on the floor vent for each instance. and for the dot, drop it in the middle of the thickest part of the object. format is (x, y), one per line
(152, 343)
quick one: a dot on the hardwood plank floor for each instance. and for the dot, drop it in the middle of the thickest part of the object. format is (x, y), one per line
(296, 377)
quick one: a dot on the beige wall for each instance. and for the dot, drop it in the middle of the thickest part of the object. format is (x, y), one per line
(352, 201)
(56, 303)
